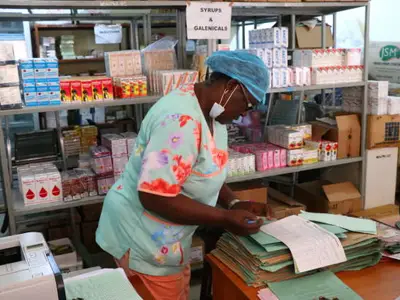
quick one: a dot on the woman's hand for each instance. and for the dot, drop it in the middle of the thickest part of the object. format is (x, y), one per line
(242, 222)
(256, 208)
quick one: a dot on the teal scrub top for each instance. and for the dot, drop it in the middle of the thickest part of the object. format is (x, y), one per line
(175, 153)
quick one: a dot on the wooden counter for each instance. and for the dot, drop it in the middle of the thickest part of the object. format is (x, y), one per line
(381, 282)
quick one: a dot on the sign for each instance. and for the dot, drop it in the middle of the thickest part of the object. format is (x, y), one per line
(384, 61)
(108, 34)
(208, 20)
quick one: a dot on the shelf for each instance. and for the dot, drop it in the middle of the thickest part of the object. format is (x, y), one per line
(81, 60)
(306, 8)
(289, 170)
(316, 87)
(71, 106)
(21, 210)
(153, 99)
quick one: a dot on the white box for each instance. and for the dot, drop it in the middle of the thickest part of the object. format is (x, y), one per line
(284, 37)
(276, 78)
(276, 58)
(284, 57)
(393, 105)
(42, 186)
(268, 58)
(28, 187)
(381, 190)
(6, 52)
(55, 186)
(273, 37)
(64, 259)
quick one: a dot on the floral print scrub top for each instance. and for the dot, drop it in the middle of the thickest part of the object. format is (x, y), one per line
(174, 153)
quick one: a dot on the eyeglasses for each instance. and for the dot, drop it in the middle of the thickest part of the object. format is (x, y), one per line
(249, 104)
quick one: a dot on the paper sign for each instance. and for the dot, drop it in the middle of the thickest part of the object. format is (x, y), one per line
(108, 34)
(208, 20)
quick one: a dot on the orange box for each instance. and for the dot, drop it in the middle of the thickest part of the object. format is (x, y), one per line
(65, 90)
(76, 91)
(125, 89)
(87, 91)
(135, 87)
(143, 87)
(97, 90)
(107, 89)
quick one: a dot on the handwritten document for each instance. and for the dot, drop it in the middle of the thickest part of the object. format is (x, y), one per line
(312, 247)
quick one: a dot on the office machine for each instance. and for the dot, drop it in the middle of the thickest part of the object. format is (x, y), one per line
(28, 269)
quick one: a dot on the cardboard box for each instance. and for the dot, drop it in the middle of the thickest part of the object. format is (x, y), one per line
(197, 252)
(347, 133)
(281, 206)
(323, 197)
(311, 39)
(250, 190)
(387, 214)
(383, 131)
(67, 258)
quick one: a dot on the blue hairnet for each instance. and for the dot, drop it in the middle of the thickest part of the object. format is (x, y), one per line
(246, 68)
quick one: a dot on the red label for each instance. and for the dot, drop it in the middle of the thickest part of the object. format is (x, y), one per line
(43, 193)
(30, 195)
(55, 191)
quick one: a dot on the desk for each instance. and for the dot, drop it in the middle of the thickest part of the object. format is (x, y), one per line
(380, 282)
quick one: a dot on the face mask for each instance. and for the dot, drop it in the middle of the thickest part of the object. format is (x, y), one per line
(217, 109)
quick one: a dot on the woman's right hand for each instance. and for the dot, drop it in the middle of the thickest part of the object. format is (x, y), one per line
(242, 222)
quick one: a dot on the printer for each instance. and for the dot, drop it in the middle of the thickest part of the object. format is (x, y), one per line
(28, 269)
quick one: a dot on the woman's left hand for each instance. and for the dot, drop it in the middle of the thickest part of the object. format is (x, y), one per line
(256, 208)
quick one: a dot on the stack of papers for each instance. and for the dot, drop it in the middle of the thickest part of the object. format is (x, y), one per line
(261, 259)
(105, 284)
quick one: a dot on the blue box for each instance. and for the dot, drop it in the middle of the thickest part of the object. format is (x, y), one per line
(28, 89)
(53, 82)
(43, 98)
(39, 63)
(27, 73)
(28, 83)
(26, 63)
(54, 97)
(51, 63)
(30, 99)
(40, 73)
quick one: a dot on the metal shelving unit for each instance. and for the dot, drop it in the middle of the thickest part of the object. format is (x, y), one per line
(251, 10)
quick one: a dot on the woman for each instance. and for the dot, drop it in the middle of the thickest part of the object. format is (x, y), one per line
(175, 177)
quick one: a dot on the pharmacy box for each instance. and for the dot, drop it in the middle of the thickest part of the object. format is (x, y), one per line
(383, 131)
(324, 197)
(64, 252)
(346, 132)
(281, 206)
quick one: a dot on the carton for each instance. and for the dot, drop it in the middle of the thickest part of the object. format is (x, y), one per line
(323, 197)
(281, 206)
(39, 68)
(87, 91)
(65, 91)
(347, 134)
(28, 187)
(115, 143)
(295, 157)
(382, 131)
(42, 186)
(76, 91)
(311, 39)
(51, 68)
(55, 186)
(251, 190)
(97, 90)
(107, 88)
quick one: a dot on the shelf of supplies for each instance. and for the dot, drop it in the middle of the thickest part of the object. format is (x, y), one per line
(289, 170)
(21, 210)
(71, 106)
(81, 60)
(316, 87)
(308, 8)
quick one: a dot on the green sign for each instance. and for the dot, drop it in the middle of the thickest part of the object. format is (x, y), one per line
(389, 52)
